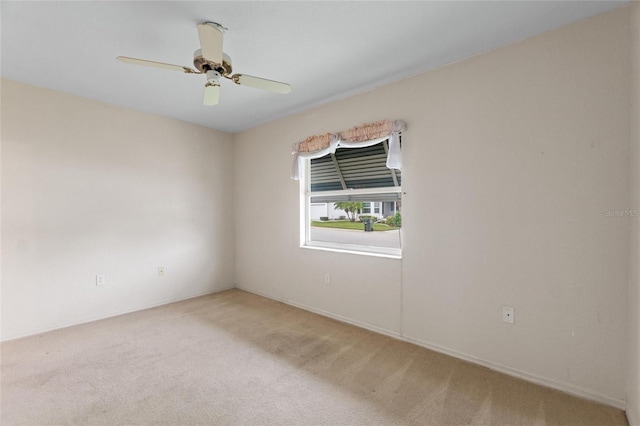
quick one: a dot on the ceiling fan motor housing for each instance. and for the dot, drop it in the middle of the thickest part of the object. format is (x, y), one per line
(203, 65)
(213, 76)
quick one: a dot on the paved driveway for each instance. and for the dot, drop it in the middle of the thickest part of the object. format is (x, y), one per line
(350, 236)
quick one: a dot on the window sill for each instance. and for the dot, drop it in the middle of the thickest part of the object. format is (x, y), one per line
(391, 254)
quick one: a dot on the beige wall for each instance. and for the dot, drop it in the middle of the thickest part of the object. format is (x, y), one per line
(511, 161)
(90, 188)
(633, 374)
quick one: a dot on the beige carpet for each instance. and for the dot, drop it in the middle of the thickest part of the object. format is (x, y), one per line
(236, 358)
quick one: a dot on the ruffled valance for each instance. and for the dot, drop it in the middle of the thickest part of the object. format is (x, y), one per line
(315, 143)
(368, 131)
(362, 136)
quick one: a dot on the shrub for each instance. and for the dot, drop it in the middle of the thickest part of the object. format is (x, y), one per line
(397, 220)
(324, 218)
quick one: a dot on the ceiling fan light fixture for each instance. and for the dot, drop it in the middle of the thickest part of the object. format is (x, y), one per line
(211, 94)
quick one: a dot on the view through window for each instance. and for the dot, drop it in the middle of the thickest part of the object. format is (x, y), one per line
(353, 201)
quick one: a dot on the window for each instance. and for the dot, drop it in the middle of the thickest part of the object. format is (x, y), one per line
(366, 208)
(351, 201)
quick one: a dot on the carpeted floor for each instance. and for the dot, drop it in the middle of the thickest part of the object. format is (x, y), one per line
(237, 358)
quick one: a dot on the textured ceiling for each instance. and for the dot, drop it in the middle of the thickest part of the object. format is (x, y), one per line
(325, 50)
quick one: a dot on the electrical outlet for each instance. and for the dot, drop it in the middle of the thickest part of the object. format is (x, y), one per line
(327, 278)
(101, 279)
(508, 315)
(160, 271)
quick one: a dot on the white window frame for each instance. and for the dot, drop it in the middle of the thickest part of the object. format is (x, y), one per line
(305, 219)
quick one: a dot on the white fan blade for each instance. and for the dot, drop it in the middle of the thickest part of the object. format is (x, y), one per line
(210, 42)
(144, 62)
(211, 94)
(261, 83)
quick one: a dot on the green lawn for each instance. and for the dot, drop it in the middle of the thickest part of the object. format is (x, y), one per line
(345, 224)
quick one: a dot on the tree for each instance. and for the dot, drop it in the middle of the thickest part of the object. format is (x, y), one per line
(352, 208)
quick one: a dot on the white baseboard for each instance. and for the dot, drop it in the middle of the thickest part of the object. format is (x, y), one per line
(340, 318)
(110, 315)
(561, 386)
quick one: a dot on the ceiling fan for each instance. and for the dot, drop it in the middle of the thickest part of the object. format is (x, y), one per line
(211, 61)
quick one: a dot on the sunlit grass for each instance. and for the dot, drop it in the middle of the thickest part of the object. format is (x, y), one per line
(346, 224)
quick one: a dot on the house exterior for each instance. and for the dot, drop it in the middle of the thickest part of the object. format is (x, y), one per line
(380, 209)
